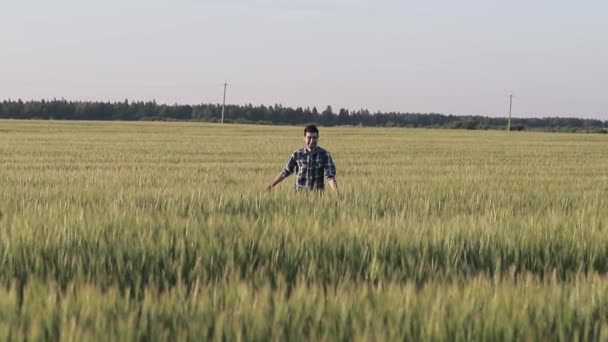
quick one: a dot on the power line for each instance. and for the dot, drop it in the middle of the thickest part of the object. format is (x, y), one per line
(510, 107)
(224, 102)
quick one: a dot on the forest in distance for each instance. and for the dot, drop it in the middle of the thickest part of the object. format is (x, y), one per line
(61, 109)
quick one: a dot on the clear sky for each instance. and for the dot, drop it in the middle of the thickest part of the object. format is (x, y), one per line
(451, 57)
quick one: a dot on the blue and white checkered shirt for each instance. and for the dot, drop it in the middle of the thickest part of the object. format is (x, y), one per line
(310, 168)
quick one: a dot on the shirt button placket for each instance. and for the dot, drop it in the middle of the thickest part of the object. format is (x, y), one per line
(308, 171)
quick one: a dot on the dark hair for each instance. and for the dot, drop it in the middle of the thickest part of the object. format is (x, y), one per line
(311, 129)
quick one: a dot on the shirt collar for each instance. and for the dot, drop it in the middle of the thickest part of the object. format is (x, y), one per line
(314, 150)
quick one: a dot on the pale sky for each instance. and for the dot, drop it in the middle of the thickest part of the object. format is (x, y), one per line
(450, 57)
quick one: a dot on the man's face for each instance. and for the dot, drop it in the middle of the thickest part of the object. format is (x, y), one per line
(310, 140)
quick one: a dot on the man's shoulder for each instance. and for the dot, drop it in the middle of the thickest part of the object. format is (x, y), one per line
(322, 150)
(300, 151)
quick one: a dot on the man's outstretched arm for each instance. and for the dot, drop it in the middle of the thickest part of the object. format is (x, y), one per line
(330, 174)
(276, 181)
(287, 170)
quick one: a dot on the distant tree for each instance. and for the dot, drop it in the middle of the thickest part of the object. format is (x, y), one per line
(343, 117)
(327, 117)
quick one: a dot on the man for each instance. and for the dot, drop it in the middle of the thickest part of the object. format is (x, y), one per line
(311, 164)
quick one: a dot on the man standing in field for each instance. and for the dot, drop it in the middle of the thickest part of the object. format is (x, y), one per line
(312, 163)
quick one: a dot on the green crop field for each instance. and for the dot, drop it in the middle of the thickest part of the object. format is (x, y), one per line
(163, 231)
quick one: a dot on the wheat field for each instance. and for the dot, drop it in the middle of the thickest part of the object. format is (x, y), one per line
(163, 231)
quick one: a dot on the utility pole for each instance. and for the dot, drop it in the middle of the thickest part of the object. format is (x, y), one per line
(510, 107)
(224, 102)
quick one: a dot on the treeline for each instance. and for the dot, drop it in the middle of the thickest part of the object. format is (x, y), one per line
(277, 114)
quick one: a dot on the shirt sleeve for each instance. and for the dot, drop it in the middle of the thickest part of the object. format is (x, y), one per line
(290, 166)
(330, 167)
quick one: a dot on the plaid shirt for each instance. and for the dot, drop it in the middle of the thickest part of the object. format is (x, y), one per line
(310, 168)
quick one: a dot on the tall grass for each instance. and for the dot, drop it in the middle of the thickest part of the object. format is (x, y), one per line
(163, 231)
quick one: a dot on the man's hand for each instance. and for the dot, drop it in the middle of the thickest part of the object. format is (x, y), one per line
(334, 186)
